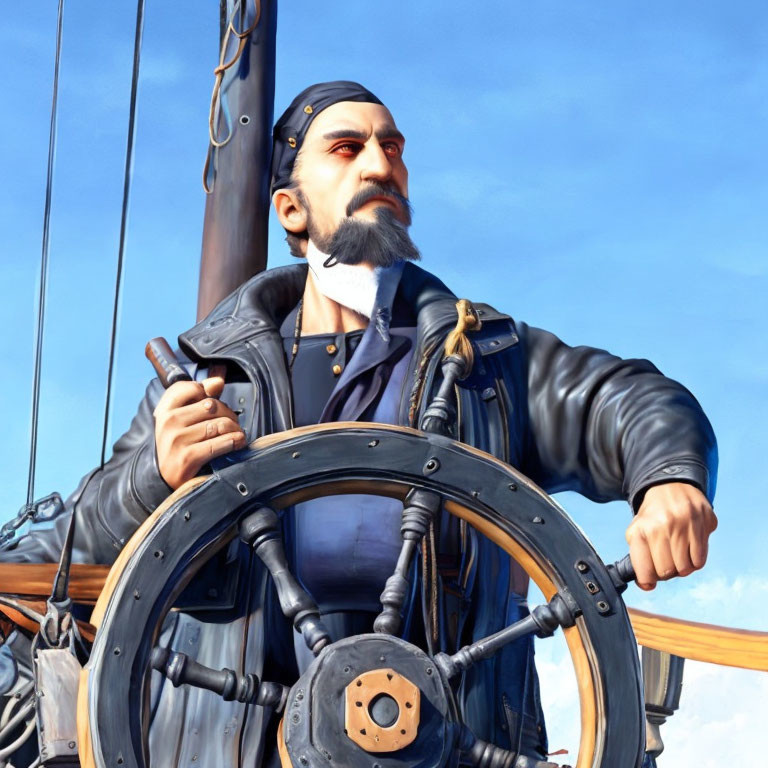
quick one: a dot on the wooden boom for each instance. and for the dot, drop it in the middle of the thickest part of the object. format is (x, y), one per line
(701, 642)
(713, 644)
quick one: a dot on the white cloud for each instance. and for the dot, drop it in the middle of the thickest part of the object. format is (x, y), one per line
(719, 590)
(559, 696)
(720, 722)
(740, 602)
(722, 710)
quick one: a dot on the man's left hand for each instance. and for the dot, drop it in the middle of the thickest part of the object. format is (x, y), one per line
(670, 533)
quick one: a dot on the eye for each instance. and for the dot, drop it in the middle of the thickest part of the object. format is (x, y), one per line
(392, 148)
(347, 149)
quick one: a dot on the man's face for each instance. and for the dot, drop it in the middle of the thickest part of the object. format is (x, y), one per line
(350, 147)
(352, 186)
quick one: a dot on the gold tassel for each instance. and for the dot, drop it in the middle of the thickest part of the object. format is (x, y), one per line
(457, 342)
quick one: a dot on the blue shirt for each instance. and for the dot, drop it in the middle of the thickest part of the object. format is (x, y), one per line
(344, 548)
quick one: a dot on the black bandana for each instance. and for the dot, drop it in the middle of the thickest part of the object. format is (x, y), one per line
(294, 123)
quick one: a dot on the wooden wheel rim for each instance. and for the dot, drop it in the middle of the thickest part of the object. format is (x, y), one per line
(304, 463)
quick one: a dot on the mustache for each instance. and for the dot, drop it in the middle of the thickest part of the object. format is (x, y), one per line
(376, 189)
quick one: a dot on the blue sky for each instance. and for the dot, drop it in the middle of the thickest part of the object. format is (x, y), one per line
(598, 169)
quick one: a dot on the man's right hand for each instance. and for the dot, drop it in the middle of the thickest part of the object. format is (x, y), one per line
(192, 427)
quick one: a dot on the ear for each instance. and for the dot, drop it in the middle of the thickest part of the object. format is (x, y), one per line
(290, 211)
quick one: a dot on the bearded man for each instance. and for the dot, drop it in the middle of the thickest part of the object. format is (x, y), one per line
(345, 337)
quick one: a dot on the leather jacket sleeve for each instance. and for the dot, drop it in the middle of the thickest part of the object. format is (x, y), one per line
(110, 503)
(610, 428)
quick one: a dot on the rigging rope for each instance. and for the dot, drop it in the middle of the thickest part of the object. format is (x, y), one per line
(44, 265)
(123, 218)
(218, 100)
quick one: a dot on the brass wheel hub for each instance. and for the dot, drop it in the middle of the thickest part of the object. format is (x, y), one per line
(381, 711)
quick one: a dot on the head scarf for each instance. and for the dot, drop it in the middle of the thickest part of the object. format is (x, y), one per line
(291, 128)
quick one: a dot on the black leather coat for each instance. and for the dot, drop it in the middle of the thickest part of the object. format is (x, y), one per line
(570, 418)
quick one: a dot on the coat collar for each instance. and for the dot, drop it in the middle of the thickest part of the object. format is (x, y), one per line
(259, 306)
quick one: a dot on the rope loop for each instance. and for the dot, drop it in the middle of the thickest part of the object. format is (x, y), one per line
(218, 100)
(457, 342)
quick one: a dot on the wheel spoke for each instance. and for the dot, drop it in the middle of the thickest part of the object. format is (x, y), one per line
(419, 509)
(261, 530)
(181, 670)
(560, 611)
(441, 411)
(482, 754)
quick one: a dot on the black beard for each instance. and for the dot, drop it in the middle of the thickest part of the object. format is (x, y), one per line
(381, 243)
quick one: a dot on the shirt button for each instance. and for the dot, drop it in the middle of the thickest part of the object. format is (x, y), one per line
(331, 349)
(336, 369)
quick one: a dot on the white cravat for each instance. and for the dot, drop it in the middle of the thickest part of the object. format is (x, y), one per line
(351, 285)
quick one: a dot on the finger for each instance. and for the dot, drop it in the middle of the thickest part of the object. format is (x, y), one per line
(663, 561)
(202, 453)
(211, 408)
(179, 394)
(702, 526)
(699, 546)
(642, 562)
(206, 409)
(680, 547)
(213, 385)
(211, 428)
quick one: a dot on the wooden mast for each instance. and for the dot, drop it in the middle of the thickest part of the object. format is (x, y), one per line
(237, 207)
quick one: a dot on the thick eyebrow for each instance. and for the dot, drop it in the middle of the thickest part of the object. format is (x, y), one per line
(390, 133)
(346, 133)
(351, 133)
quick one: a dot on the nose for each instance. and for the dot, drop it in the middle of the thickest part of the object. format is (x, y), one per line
(376, 163)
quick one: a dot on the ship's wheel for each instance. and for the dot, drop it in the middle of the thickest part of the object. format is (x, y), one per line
(382, 701)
